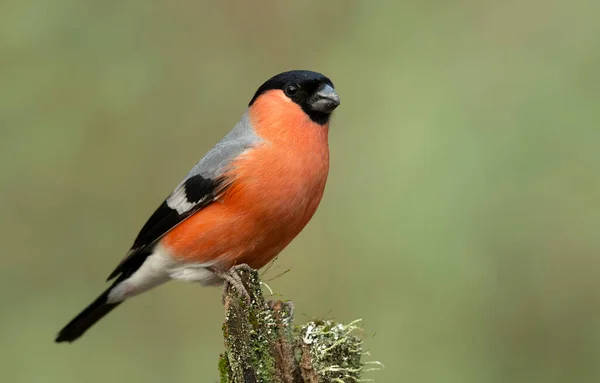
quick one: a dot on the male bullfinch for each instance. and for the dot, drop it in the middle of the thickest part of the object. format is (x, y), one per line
(243, 203)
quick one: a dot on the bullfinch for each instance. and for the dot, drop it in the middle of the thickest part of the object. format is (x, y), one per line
(242, 203)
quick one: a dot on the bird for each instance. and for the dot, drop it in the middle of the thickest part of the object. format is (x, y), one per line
(241, 204)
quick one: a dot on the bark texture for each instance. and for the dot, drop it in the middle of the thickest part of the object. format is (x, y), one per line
(262, 345)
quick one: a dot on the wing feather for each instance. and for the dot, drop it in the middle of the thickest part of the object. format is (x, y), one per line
(189, 198)
(199, 189)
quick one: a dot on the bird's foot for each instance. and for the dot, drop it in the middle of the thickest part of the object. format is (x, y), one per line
(233, 279)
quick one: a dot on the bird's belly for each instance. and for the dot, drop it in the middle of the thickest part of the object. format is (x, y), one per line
(256, 219)
(225, 236)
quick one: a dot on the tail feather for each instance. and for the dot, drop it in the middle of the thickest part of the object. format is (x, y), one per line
(87, 318)
(100, 307)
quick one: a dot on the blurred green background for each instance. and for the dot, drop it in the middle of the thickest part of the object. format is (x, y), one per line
(461, 219)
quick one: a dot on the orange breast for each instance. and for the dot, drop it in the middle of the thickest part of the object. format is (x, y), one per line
(276, 189)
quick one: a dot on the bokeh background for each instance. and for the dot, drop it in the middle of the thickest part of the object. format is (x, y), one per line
(461, 219)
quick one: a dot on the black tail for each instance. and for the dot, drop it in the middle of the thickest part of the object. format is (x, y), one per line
(87, 318)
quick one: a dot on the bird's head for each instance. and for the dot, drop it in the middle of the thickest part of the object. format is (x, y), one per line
(311, 91)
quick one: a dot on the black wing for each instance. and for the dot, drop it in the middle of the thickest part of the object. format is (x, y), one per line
(188, 198)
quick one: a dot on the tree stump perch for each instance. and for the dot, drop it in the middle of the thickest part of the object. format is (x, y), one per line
(262, 345)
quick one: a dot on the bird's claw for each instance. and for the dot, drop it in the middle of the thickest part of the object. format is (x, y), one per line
(233, 279)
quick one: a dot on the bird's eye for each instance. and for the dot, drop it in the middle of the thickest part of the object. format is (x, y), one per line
(291, 89)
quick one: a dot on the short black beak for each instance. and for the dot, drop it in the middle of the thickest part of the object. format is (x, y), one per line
(325, 99)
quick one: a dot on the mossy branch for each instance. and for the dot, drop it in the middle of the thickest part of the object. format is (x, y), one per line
(262, 344)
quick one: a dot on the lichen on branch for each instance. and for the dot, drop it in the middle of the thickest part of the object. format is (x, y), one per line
(263, 346)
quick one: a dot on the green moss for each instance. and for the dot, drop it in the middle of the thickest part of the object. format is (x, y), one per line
(224, 369)
(262, 345)
(248, 332)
